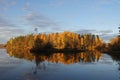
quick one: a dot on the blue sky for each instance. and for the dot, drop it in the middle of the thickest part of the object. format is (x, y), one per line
(20, 17)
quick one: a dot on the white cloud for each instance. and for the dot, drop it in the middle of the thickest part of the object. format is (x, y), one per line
(39, 20)
(106, 35)
(27, 6)
(6, 33)
(105, 32)
(86, 31)
(5, 23)
(5, 4)
(56, 3)
(8, 29)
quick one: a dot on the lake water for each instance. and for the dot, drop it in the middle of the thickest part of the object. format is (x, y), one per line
(22, 65)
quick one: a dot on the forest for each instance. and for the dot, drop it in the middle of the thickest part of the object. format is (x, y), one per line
(113, 46)
(63, 41)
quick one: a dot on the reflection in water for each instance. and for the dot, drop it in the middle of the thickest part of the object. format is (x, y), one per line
(64, 65)
(116, 57)
(65, 58)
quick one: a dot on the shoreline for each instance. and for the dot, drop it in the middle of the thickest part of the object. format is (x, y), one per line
(56, 50)
(2, 46)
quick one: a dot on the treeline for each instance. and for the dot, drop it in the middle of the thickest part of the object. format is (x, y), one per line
(114, 44)
(63, 40)
(2, 46)
(112, 47)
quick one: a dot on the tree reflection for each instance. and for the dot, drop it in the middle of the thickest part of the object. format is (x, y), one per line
(64, 58)
(116, 57)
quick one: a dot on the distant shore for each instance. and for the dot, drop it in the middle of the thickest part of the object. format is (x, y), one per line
(2, 46)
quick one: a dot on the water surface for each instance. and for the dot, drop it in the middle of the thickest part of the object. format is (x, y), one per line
(23, 65)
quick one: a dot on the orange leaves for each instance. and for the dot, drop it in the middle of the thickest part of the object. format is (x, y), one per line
(61, 40)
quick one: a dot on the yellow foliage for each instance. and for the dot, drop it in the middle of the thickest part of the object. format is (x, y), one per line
(56, 40)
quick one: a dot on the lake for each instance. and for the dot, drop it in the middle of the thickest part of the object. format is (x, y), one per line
(90, 65)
